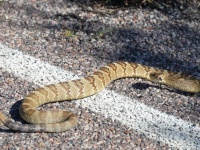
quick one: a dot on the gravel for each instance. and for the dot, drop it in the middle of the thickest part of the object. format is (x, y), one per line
(89, 37)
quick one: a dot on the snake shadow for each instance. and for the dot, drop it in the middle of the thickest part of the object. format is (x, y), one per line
(144, 86)
(14, 112)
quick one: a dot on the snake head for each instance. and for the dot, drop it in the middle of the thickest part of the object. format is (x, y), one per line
(177, 80)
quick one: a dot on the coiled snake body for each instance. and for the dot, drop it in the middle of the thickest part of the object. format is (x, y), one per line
(58, 120)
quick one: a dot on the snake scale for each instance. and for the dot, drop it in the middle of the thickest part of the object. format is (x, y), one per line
(59, 120)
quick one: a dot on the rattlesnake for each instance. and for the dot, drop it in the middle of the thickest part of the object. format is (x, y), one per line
(58, 121)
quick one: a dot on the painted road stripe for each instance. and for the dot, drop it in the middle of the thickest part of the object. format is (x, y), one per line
(153, 123)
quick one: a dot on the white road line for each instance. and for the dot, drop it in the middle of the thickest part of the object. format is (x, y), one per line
(153, 123)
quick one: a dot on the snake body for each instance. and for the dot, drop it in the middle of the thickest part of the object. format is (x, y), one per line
(58, 120)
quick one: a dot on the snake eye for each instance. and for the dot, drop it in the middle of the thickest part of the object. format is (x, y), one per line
(152, 76)
(155, 77)
(159, 78)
